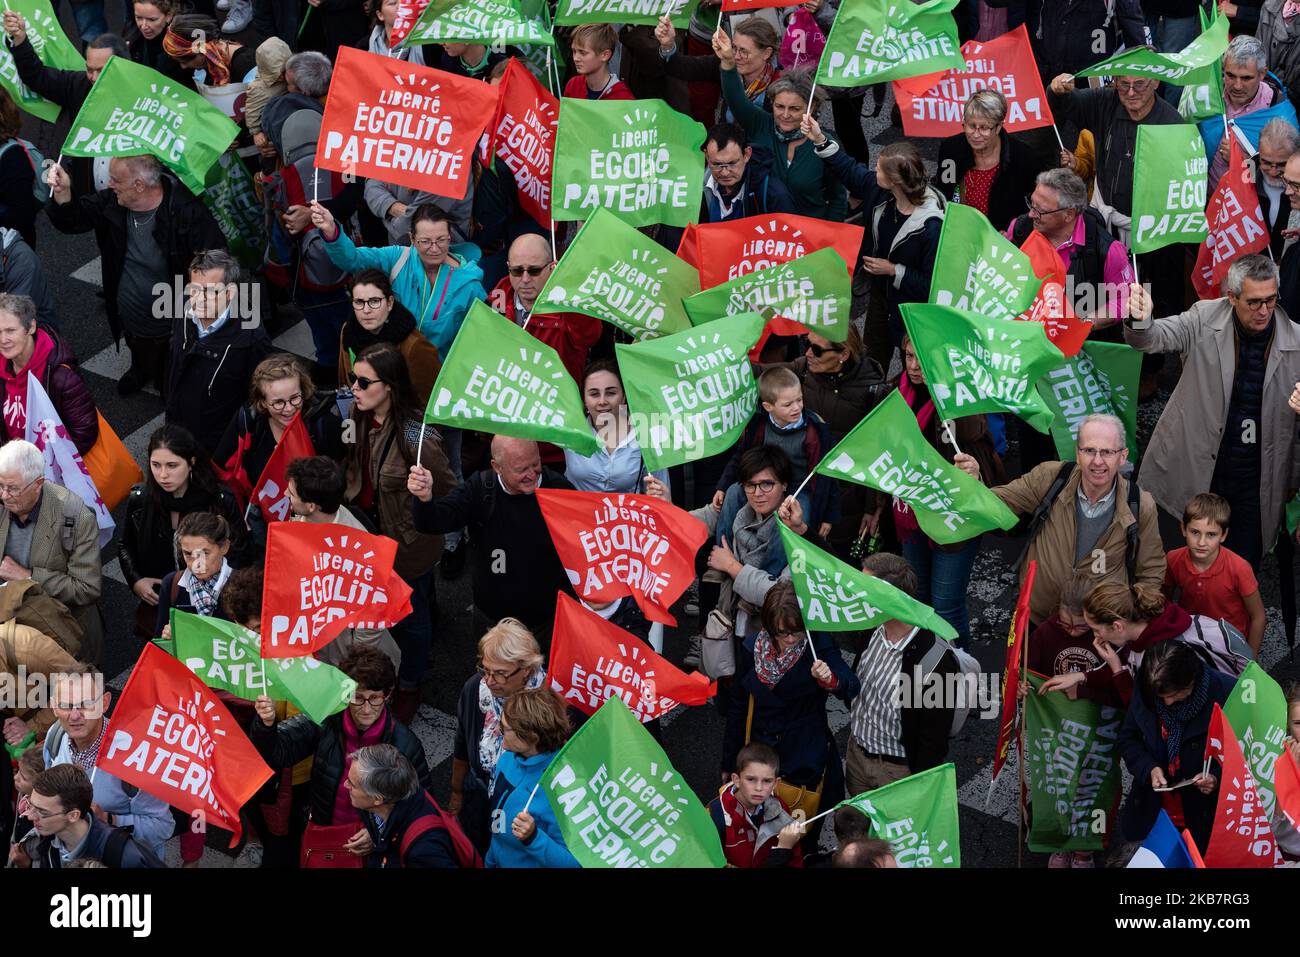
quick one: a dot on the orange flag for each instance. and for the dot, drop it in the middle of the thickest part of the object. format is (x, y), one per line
(1236, 223)
(723, 251)
(271, 493)
(1052, 307)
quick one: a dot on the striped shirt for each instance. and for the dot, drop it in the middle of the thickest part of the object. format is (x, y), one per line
(875, 721)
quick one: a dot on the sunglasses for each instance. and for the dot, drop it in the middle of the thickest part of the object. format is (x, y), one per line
(534, 271)
(362, 381)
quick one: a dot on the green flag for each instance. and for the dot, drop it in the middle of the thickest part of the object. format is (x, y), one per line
(640, 159)
(228, 657)
(917, 816)
(834, 596)
(886, 451)
(1169, 187)
(132, 109)
(51, 44)
(1293, 514)
(1072, 767)
(232, 199)
(499, 379)
(620, 802)
(640, 12)
(1202, 95)
(477, 21)
(973, 364)
(538, 56)
(1173, 68)
(1257, 711)
(1101, 378)
(616, 273)
(979, 270)
(813, 290)
(691, 394)
(876, 40)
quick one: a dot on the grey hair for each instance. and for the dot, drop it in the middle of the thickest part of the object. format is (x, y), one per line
(311, 72)
(798, 82)
(1254, 267)
(1246, 49)
(385, 772)
(1103, 418)
(1281, 133)
(208, 259)
(1071, 192)
(143, 167)
(21, 308)
(988, 104)
(22, 457)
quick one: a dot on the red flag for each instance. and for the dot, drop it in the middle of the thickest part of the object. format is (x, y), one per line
(730, 6)
(1016, 638)
(688, 249)
(932, 105)
(1052, 307)
(1193, 851)
(327, 578)
(776, 326)
(398, 122)
(171, 736)
(723, 251)
(1236, 222)
(272, 490)
(613, 545)
(1242, 835)
(592, 661)
(1286, 787)
(408, 12)
(522, 133)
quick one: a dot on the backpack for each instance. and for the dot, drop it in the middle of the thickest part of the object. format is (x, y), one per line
(1039, 519)
(968, 688)
(40, 188)
(299, 261)
(467, 855)
(1223, 650)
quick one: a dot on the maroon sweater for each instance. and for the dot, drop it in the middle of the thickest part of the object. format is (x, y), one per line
(1170, 623)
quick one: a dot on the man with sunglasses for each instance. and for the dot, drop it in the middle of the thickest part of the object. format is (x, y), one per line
(64, 829)
(529, 264)
(1228, 427)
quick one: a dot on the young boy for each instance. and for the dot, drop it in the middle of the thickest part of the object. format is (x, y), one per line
(1207, 579)
(30, 763)
(754, 824)
(802, 436)
(592, 46)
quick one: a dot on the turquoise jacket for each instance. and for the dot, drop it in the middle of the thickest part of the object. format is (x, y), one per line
(462, 285)
(515, 779)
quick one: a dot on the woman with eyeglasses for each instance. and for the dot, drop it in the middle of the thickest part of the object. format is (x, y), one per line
(179, 481)
(368, 719)
(509, 660)
(984, 166)
(376, 317)
(755, 45)
(390, 435)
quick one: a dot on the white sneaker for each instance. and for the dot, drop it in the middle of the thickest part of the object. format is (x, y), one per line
(241, 15)
(692, 659)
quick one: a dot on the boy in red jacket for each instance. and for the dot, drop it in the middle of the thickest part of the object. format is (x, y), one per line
(592, 46)
(754, 824)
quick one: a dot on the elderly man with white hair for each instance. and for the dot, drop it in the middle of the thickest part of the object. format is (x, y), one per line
(1247, 88)
(50, 536)
(1278, 142)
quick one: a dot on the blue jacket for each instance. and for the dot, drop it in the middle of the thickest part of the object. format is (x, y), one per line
(464, 284)
(515, 780)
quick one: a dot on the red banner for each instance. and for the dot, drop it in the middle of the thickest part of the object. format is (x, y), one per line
(1237, 225)
(1243, 834)
(723, 251)
(1052, 307)
(523, 135)
(401, 123)
(272, 490)
(932, 105)
(326, 578)
(1016, 638)
(731, 6)
(613, 545)
(1286, 787)
(408, 11)
(171, 736)
(592, 661)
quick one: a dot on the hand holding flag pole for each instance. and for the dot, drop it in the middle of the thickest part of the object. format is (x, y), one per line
(950, 433)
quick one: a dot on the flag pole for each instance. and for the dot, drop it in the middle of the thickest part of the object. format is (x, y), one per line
(807, 478)
(810, 645)
(817, 817)
(420, 448)
(531, 796)
(950, 433)
(1059, 141)
(1020, 744)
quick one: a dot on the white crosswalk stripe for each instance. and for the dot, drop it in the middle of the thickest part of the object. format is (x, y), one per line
(137, 443)
(112, 363)
(113, 570)
(92, 272)
(296, 339)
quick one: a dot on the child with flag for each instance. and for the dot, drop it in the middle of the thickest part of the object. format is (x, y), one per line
(753, 822)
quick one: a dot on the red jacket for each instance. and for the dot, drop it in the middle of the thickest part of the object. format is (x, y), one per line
(746, 845)
(577, 88)
(571, 334)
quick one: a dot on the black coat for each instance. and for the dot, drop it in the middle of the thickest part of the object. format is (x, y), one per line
(1018, 170)
(286, 743)
(145, 548)
(433, 848)
(1142, 746)
(65, 88)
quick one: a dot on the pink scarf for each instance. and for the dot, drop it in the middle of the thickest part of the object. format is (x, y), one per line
(904, 518)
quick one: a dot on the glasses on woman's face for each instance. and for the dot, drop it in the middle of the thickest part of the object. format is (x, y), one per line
(979, 128)
(372, 701)
(367, 305)
(498, 677)
(361, 382)
(765, 486)
(427, 244)
(819, 351)
(284, 405)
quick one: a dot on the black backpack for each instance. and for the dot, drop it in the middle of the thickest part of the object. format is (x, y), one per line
(1039, 518)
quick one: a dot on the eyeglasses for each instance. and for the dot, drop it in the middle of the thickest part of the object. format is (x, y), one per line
(1269, 164)
(1095, 453)
(1132, 86)
(979, 128)
(498, 676)
(1035, 212)
(280, 405)
(375, 701)
(1291, 185)
(819, 351)
(1254, 305)
(41, 813)
(518, 271)
(13, 491)
(764, 486)
(367, 304)
(428, 244)
(361, 381)
(1074, 628)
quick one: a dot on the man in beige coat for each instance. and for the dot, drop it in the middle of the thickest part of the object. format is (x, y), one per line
(49, 535)
(1228, 427)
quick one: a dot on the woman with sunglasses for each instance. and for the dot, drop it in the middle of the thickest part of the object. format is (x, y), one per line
(376, 317)
(509, 660)
(368, 719)
(390, 436)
